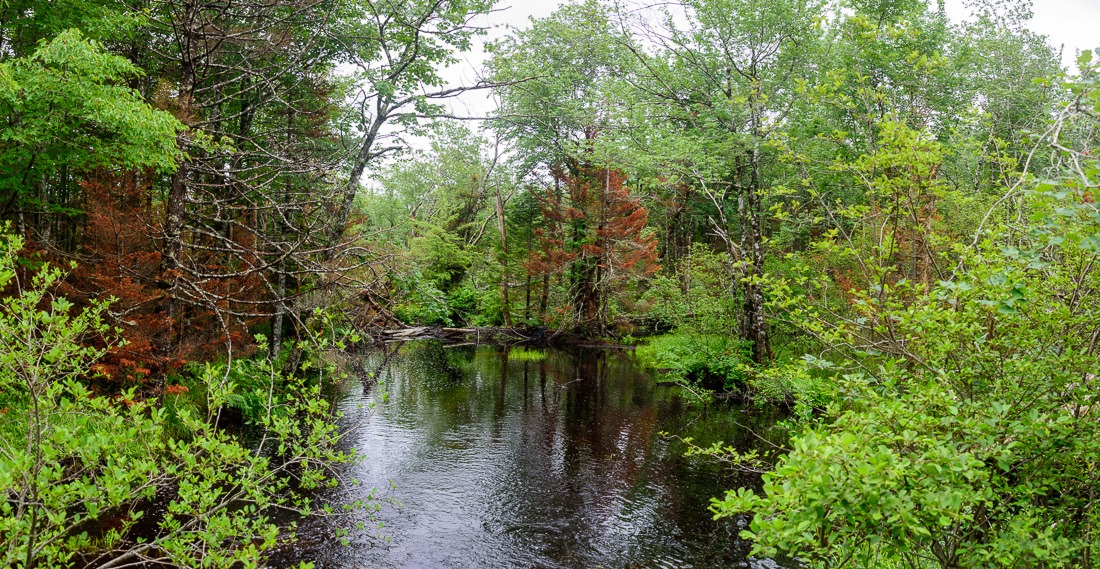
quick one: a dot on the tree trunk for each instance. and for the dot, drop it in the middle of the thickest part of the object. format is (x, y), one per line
(545, 296)
(753, 324)
(756, 329)
(506, 306)
(280, 312)
(362, 159)
(176, 206)
(527, 299)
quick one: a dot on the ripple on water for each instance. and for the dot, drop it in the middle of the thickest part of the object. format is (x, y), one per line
(525, 465)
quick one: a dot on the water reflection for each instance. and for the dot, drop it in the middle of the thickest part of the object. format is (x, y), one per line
(503, 461)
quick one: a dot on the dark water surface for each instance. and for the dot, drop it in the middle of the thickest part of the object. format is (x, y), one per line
(502, 460)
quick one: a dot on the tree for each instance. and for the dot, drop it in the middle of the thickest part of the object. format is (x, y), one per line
(396, 51)
(255, 84)
(434, 211)
(965, 434)
(597, 235)
(66, 111)
(559, 87)
(726, 78)
(120, 260)
(272, 198)
(79, 469)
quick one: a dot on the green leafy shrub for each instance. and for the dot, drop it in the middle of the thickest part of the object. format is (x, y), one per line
(246, 384)
(79, 469)
(420, 302)
(804, 385)
(963, 428)
(716, 362)
(464, 302)
(475, 306)
(700, 294)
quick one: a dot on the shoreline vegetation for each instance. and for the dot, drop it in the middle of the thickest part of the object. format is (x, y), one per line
(196, 477)
(860, 211)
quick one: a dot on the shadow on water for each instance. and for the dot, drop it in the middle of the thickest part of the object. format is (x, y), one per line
(541, 459)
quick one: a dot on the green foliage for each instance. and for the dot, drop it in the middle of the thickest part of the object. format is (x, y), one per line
(185, 393)
(78, 469)
(521, 354)
(29, 22)
(559, 75)
(247, 385)
(802, 384)
(440, 253)
(435, 208)
(963, 430)
(421, 302)
(66, 106)
(700, 291)
(474, 306)
(881, 486)
(717, 362)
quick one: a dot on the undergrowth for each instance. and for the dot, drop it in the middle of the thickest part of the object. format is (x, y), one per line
(711, 361)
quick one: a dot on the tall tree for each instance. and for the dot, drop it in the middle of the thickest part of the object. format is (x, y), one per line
(560, 82)
(724, 70)
(66, 111)
(597, 235)
(965, 436)
(396, 51)
(278, 143)
(254, 83)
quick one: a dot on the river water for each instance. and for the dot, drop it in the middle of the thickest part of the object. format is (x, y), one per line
(492, 457)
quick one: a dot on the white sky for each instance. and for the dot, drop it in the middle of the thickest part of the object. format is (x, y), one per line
(1074, 24)
(516, 13)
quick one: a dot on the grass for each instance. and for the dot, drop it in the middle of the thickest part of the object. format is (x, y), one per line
(521, 354)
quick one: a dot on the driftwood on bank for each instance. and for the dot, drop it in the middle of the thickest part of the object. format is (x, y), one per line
(535, 336)
(466, 336)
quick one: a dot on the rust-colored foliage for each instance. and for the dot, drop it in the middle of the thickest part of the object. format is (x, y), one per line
(596, 218)
(621, 239)
(119, 258)
(595, 232)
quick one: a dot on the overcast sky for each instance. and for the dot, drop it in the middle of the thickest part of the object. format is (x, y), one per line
(1074, 24)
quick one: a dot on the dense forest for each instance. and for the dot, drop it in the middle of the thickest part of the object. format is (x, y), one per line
(862, 212)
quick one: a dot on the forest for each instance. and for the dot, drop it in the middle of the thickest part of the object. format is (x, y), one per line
(872, 217)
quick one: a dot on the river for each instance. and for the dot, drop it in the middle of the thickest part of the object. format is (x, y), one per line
(492, 457)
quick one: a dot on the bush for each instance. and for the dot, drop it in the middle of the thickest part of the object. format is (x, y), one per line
(805, 385)
(964, 425)
(420, 302)
(715, 362)
(79, 469)
(702, 292)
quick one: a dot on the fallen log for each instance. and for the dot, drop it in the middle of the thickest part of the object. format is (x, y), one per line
(473, 336)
